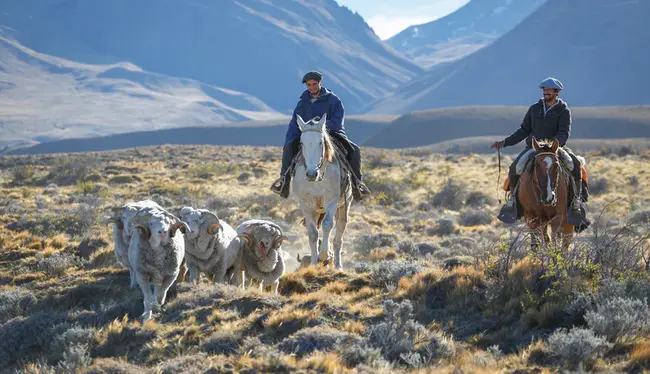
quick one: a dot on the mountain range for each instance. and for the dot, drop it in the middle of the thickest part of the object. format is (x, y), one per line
(597, 48)
(259, 47)
(468, 29)
(73, 69)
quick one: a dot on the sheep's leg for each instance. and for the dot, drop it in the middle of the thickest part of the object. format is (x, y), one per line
(148, 298)
(194, 273)
(241, 278)
(277, 285)
(327, 225)
(161, 290)
(220, 274)
(341, 224)
(261, 286)
(134, 281)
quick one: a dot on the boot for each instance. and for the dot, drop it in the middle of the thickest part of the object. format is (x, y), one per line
(508, 213)
(576, 214)
(282, 186)
(359, 190)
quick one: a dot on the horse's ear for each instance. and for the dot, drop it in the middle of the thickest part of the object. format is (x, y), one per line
(555, 145)
(322, 121)
(536, 146)
(301, 123)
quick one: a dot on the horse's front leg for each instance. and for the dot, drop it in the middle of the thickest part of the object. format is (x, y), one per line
(341, 224)
(327, 226)
(312, 230)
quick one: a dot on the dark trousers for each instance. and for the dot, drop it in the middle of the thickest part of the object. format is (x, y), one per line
(353, 154)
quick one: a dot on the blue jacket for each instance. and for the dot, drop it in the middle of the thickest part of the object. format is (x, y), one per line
(328, 103)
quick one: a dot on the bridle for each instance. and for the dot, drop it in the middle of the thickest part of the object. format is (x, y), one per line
(536, 189)
(321, 162)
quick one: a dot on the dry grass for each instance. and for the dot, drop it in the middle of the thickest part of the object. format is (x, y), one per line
(72, 276)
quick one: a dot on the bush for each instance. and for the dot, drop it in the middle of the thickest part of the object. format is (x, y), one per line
(354, 355)
(400, 337)
(388, 273)
(577, 346)
(620, 319)
(598, 186)
(313, 339)
(475, 218)
(14, 303)
(71, 170)
(445, 227)
(366, 243)
(451, 196)
(408, 247)
(57, 264)
(477, 199)
(22, 174)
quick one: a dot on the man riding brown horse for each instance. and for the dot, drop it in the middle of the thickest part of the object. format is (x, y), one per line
(549, 118)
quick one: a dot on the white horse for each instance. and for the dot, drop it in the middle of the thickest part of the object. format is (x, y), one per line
(323, 188)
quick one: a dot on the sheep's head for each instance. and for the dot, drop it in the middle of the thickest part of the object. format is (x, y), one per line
(199, 221)
(263, 237)
(159, 228)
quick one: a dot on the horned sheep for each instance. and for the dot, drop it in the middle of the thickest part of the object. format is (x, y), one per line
(261, 256)
(156, 251)
(211, 246)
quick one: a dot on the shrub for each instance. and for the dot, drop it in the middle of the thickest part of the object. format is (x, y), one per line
(598, 186)
(399, 336)
(14, 303)
(70, 170)
(313, 339)
(354, 355)
(477, 199)
(445, 227)
(577, 346)
(22, 174)
(408, 247)
(475, 218)
(388, 273)
(57, 264)
(451, 196)
(366, 243)
(620, 319)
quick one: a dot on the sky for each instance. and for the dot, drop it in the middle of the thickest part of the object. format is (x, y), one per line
(389, 17)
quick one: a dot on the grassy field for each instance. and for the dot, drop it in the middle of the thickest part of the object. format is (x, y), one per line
(432, 281)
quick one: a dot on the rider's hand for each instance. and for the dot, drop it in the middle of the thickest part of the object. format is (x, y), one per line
(498, 145)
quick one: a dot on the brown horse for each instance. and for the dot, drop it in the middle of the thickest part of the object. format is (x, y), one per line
(543, 195)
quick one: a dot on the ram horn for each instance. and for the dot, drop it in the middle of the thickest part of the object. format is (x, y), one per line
(145, 230)
(179, 226)
(247, 237)
(212, 230)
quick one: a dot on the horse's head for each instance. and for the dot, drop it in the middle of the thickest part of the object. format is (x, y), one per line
(315, 145)
(546, 171)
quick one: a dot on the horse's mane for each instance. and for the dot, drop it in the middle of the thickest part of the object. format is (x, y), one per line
(329, 147)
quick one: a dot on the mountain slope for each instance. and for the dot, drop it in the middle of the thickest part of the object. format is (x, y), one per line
(44, 97)
(254, 46)
(468, 29)
(439, 125)
(252, 133)
(597, 48)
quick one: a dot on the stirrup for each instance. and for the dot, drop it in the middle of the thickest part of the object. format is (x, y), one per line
(277, 185)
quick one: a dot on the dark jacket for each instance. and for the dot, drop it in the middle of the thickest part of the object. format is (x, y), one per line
(328, 103)
(555, 124)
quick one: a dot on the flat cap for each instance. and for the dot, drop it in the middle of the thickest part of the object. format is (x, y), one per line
(312, 75)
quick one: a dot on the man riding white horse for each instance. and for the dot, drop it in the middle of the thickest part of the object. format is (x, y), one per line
(317, 101)
(549, 118)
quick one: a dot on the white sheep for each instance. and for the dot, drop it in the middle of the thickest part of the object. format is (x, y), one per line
(261, 256)
(122, 228)
(156, 251)
(210, 246)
